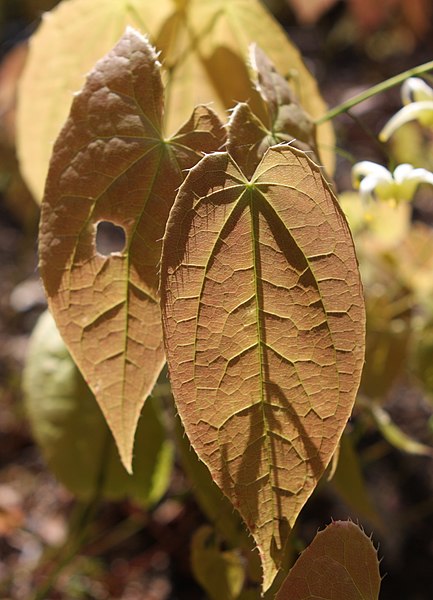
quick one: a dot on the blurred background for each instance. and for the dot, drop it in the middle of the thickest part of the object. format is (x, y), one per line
(138, 554)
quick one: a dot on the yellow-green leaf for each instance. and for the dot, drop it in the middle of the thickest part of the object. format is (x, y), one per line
(221, 573)
(57, 64)
(204, 49)
(340, 564)
(112, 164)
(73, 435)
(210, 43)
(264, 330)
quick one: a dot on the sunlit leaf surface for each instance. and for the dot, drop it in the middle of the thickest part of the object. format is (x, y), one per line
(112, 164)
(284, 120)
(204, 50)
(264, 323)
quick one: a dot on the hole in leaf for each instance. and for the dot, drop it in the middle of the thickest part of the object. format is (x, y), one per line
(110, 238)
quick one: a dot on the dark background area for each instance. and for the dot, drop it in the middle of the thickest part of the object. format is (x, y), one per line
(349, 46)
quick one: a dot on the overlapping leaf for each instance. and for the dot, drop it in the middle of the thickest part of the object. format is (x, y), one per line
(67, 44)
(340, 564)
(204, 48)
(264, 324)
(284, 120)
(111, 163)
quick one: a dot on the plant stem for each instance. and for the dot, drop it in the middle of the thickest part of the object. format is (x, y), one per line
(376, 89)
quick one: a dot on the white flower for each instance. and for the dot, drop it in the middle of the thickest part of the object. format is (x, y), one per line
(373, 180)
(415, 89)
(417, 98)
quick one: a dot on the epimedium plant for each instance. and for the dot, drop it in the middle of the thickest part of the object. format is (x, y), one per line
(262, 310)
(234, 235)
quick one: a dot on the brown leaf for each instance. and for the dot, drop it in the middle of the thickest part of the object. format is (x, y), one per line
(340, 564)
(248, 137)
(111, 163)
(264, 323)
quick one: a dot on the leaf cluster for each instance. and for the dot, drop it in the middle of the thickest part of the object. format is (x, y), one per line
(237, 268)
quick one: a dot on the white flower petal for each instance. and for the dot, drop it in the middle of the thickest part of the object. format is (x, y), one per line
(375, 181)
(421, 175)
(367, 168)
(367, 187)
(415, 89)
(414, 111)
(402, 172)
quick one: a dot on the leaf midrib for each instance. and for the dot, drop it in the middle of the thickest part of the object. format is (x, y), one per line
(255, 243)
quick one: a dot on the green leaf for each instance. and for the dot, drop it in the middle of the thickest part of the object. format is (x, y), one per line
(112, 164)
(339, 564)
(263, 320)
(73, 435)
(204, 48)
(421, 352)
(220, 573)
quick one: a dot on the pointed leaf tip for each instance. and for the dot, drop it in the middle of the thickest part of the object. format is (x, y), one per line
(263, 317)
(133, 32)
(111, 163)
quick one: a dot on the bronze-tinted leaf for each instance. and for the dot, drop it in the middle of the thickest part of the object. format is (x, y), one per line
(340, 564)
(217, 508)
(248, 138)
(284, 120)
(264, 330)
(111, 164)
